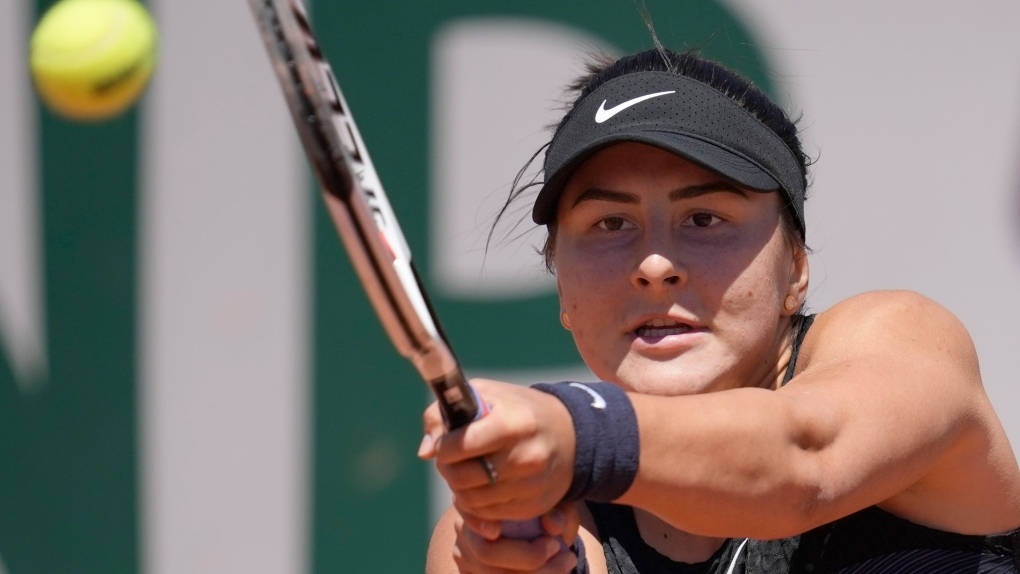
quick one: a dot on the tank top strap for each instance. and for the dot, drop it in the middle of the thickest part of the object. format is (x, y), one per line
(627, 553)
(801, 325)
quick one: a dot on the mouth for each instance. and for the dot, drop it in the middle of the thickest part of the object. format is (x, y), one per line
(659, 327)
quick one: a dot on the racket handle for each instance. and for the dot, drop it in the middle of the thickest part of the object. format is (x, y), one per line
(461, 404)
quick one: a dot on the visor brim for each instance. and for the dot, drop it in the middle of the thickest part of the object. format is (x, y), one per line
(709, 155)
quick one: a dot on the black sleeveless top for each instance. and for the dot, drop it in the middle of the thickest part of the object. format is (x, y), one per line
(870, 541)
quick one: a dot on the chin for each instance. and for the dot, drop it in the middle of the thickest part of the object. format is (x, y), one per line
(666, 378)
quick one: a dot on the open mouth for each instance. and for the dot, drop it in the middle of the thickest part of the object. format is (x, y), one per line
(662, 327)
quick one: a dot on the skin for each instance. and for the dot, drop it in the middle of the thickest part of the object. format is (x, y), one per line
(725, 450)
(670, 239)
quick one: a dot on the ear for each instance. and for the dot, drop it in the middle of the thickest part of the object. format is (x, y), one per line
(559, 297)
(797, 284)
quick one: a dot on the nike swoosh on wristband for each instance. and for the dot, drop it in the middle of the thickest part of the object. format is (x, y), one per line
(597, 401)
(602, 114)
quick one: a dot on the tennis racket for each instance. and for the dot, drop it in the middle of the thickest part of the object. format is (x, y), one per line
(362, 214)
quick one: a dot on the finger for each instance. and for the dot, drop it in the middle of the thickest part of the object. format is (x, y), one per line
(506, 423)
(426, 449)
(494, 503)
(510, 553)
(472, 473)
(515, 464)
(480, 438)
(465, 562)
(573, 523)
(487, 500)
(563, 521)
(554, 521)
(487, 529)
(432, 421)
(562, 563)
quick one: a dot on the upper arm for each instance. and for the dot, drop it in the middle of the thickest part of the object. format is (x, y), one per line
(886, 408)
(590, 538)
(888, 389)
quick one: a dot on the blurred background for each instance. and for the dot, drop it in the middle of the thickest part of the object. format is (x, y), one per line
(192, 381)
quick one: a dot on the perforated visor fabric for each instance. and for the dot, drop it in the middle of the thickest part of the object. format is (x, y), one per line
(678, 114)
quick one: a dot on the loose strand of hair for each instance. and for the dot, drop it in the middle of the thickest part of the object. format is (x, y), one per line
(516, 189)
(646, 17)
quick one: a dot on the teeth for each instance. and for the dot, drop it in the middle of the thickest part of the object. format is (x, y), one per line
(662, 328)
(651, 332)
(662, 323)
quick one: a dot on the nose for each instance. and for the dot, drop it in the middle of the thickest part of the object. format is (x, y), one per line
(657, 270)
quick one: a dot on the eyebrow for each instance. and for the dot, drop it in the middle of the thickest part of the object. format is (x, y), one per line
(705, 188)
(600, 194)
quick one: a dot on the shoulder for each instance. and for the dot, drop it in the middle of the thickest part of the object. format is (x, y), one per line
(872, 359)
(891, 325)
(888, 344)
(889, 309)
(886, 303)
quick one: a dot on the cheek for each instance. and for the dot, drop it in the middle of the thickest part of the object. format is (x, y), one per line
(588, 310)
(584, 296)
(590, 295)
(584, 282)
(758, 291)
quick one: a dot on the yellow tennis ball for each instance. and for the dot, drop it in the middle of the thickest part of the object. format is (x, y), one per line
(91, 59)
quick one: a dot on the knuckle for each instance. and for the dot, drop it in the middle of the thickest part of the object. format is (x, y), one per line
(464, 566)
(464, 501)
(534, 562)
(563, 562)
(524, 425)
(460, 557)
(533, 459)
(445, 470)
(528, 463)
(452, 475)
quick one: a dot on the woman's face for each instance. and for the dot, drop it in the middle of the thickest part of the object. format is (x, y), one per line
(673, 279)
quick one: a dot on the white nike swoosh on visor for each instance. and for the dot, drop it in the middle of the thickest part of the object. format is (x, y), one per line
(597, 401)
(602, 114)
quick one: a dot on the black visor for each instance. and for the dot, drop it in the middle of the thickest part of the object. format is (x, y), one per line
(680, 115)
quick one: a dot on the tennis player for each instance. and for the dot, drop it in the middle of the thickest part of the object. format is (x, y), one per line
(733, 433)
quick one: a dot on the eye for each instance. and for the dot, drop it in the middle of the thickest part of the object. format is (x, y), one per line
(701, 219)
(613, 223)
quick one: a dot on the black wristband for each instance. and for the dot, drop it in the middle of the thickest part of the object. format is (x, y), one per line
(607, 447)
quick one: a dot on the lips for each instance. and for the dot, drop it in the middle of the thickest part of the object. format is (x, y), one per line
(662, 326)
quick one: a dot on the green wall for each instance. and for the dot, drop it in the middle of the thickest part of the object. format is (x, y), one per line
(69, 484)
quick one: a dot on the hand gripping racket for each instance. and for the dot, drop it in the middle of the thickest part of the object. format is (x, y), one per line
(362, 214)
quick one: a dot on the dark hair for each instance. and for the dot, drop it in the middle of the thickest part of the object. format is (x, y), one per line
(731, 84)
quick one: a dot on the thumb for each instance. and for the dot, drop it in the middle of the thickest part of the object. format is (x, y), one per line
(432, 420)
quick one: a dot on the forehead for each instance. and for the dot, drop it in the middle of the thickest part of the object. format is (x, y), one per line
(637, 168)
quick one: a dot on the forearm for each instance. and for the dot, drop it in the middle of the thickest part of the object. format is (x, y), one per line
(734, 463)
(439, 557)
